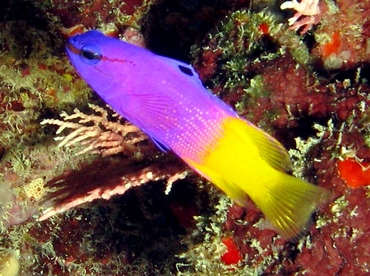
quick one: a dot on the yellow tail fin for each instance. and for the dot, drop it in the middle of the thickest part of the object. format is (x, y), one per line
(289, 202)
(246, 160)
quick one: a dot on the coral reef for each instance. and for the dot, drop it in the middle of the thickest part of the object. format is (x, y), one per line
(307, 85)
(272, 77)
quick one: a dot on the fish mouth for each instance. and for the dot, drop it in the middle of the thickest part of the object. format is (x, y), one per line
(70, 48)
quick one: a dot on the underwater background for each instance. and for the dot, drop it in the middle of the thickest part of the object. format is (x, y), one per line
(300, 73)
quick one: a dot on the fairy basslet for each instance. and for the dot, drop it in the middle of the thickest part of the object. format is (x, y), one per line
(166, 99)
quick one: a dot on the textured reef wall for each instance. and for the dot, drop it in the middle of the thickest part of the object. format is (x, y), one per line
(301, 74)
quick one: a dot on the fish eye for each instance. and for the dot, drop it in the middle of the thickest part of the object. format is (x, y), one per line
(90, 54)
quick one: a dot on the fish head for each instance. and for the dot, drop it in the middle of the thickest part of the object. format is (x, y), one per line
(85, 53)
(102, 61)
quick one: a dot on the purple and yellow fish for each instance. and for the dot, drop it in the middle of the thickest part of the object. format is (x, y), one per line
(166, 99)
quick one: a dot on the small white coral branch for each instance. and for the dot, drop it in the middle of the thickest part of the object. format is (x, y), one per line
(305, 16)
(96, 132)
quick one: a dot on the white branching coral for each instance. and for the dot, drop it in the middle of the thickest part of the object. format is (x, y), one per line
(96, 132)
(106, 134)
(305, 16)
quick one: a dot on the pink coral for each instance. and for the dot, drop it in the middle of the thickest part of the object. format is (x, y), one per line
(103, 179)
(306, 15)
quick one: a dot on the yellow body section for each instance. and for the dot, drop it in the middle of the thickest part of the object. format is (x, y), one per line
(244, 160)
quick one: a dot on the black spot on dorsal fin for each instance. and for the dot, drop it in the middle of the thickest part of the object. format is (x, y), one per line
(186, 70)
